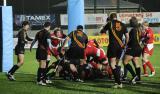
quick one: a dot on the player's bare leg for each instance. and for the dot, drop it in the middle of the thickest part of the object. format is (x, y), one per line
(41, 73)
(146, 63)
(20, 60)
(126, 61)
(116, 73)
(137, 68)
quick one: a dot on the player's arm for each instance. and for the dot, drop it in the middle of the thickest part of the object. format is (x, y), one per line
(49, 41)
(126, 36)
(54, 37)
(149, 34)
(33, 42)
(66, 40)
(21, 36)
(105, 28)
(86, 41)
(97, 45)
(28, 38)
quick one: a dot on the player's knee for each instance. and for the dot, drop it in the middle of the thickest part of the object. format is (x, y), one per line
(42, 64)
(126, 61)
(136, 62)
(137, 65)
(21, 63)
(82, 62)
(144, 59)
(73, 68)
(113, 65)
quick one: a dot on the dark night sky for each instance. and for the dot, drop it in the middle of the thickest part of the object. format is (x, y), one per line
(41, 6)
(149, 5)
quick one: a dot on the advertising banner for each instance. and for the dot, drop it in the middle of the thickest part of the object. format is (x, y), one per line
(35, 20)
(104, 40)
(151, 17)
(90, 19)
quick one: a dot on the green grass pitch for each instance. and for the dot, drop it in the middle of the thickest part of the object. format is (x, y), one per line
(26, 84)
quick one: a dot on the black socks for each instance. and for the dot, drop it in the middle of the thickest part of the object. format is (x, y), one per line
(13, 69)
(116, 73)
(138, 72)
(130, 69)
(41, 74)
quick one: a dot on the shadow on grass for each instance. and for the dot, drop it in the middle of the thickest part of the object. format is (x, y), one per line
(145, 88)
(142, 91)
(104, 83)
(150, 85)
(62, 86)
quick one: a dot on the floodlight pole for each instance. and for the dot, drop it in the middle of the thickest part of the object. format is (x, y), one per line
(95, 6)
(140, 5)
(118, 6)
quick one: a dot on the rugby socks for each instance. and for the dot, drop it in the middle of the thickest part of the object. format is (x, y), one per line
(118, 68)
(13, 69)
(75, 75)
(116, 74)
(145, 68)
(130, 69)
(43, 76)
(125, 72)
(138, 73)
(47, 63)
(39, 74)
(150, 66)
(80, 71)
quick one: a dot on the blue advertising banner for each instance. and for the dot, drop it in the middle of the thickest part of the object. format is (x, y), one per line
(35, 20)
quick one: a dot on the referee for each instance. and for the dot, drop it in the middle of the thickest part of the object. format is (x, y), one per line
(116, 30)
(19, 49)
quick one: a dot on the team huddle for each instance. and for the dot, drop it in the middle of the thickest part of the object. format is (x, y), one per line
(84, 59)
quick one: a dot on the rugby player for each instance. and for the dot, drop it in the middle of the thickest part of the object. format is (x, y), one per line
(148, 39)
(19, 49)
(76, 52)
(97, 57)
(116, 30)
(44, 42)
(57, 38)
(134, 50)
